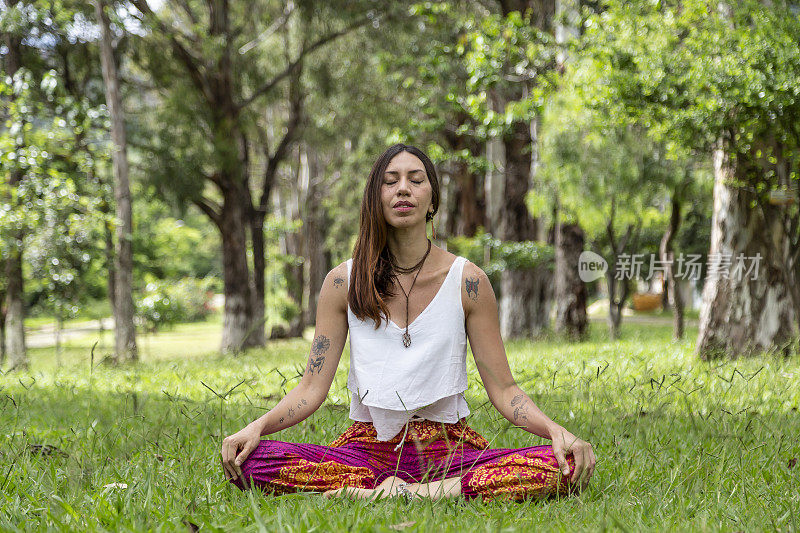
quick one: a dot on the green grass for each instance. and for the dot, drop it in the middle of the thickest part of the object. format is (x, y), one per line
(681, 444)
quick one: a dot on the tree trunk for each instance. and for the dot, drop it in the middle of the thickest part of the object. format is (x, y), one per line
(237, 322)
(494, 183)
(615, 305)
(2, 320)
(467, 209)
(520, 316)
(314, 235)
(15, 309)
(674, 298)
(259, 270)
(293, 243)
(618, 247)
(15, 306)
(111, 279)
(124, 329)
(570, 290)
(743, 316)
(525, 298)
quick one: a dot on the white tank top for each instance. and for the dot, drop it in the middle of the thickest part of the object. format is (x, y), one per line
(391, 383)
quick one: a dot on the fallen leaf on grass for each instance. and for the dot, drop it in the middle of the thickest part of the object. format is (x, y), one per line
(46, 450)
(792, 462)
(115, 486)
(401, 525)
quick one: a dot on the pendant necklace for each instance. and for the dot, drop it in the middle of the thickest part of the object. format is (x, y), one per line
(402, 270)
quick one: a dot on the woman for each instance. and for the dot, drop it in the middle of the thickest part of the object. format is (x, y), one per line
(407, 371)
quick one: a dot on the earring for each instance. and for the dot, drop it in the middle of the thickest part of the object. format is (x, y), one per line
(433, 230)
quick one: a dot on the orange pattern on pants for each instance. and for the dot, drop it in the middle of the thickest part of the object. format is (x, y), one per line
(428, 451)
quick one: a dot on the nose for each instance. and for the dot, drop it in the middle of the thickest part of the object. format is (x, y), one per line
(403, 186)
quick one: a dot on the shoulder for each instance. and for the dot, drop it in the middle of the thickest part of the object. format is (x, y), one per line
(334, 287)
(476, 289)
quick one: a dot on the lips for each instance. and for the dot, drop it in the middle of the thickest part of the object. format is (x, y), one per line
(403, 204)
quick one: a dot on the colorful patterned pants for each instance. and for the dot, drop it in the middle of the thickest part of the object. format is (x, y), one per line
(430, 451)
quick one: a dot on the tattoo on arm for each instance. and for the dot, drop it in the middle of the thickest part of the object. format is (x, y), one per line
(338, 282)
(316, 359)
(293, 410)
(519, 404)
(472, 287)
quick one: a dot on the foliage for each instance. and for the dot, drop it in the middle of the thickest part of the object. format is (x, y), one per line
(165, 303)
(502, 255)
(695, 71)
(58, 223)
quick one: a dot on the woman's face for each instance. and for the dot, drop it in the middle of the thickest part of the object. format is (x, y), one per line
(405, 182)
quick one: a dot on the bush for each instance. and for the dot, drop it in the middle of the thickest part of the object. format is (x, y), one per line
(165, 303)
(503, 255)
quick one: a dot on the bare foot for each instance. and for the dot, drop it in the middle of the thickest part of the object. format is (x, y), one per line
(389, 485)
(386, 488)
(356, 492)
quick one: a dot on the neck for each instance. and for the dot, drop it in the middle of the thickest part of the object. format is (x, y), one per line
(408, 245)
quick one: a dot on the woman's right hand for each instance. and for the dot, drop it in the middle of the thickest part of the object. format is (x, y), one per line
(245, 440)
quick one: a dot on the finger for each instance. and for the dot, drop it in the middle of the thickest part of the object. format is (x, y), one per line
(228, 473)
(222, 460)
(592, 462)
(562, 461)
(246, 451)
(229, 452)
(580, 464)
(225, 470)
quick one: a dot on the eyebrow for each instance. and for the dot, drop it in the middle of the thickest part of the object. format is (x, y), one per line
(410, 172)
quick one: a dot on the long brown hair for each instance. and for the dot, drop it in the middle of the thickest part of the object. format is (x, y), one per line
(371, 276)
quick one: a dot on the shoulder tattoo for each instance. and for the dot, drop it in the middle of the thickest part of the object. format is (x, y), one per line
(471, 284)
(338, 282)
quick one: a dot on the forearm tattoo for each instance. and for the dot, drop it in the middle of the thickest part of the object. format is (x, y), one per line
(294, 410)
(520, 407)
(472, 287)
(317, 359)
(338, 282)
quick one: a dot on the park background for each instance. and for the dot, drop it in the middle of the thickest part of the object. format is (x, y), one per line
(178, 177)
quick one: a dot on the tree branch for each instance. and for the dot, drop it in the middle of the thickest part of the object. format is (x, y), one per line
(210, 208)
(296, 99)
(287, 11)
(190, 62)
(291, 66)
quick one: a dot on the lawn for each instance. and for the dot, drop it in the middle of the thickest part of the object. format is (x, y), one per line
(680, 444)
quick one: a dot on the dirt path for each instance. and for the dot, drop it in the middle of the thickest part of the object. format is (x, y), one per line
(45, 336)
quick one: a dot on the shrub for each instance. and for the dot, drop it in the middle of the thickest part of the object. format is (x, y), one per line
(166, 302)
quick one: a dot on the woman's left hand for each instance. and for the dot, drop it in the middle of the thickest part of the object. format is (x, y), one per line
(565, 443)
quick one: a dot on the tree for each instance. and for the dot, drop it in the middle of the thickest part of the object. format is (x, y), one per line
(14, 314)
(604, 177)
(511, 61)
(209, 122)
(124, 329)
(721, 78)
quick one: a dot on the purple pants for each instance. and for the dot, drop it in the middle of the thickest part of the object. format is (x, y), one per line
(430, 451)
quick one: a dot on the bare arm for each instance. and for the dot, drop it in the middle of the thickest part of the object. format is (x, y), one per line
(326, 350)
(298, 404)
(483, 331)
